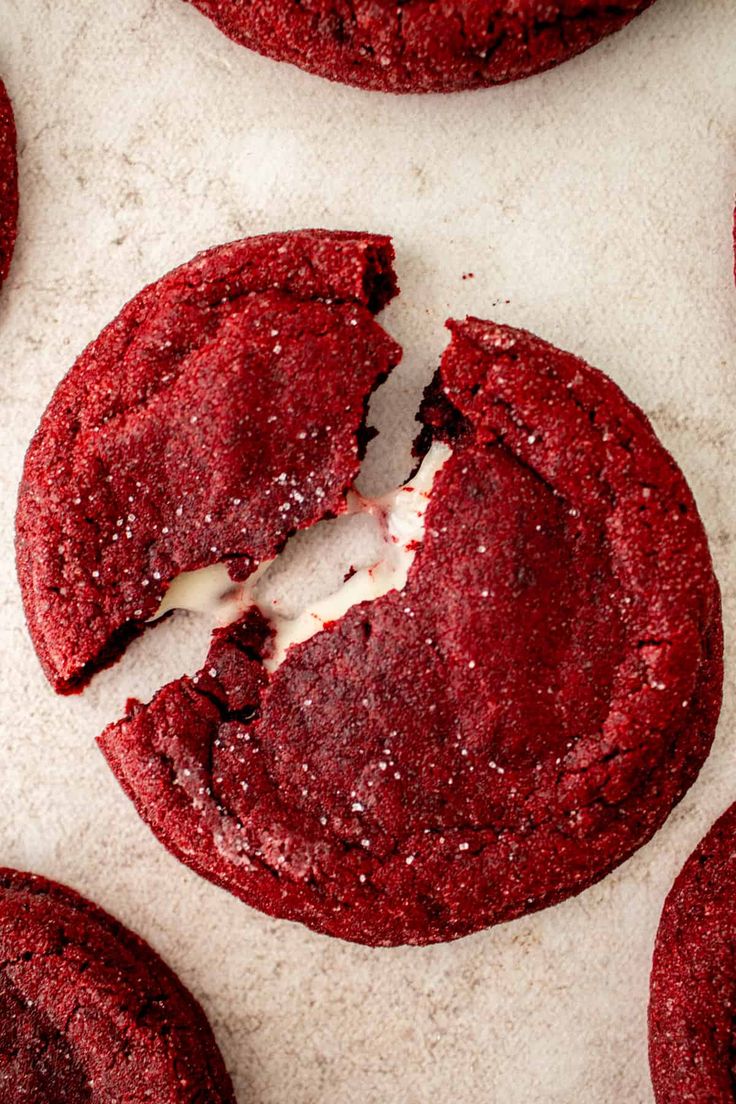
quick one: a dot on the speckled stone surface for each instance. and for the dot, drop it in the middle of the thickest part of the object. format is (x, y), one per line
(593, 205)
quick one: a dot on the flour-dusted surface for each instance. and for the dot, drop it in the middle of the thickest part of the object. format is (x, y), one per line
(594, 206)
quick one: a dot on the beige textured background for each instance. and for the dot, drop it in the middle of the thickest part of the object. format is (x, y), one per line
(594, 206)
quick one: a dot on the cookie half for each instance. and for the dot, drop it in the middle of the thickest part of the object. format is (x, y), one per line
(423, 45)
(222, 410)
(89, 1013)
(692, 1041)
(8, 183)
(496, 735)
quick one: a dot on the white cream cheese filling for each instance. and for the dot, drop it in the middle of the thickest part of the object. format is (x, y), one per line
(201, 591)
(400, 517)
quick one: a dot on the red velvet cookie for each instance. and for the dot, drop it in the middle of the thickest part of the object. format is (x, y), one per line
(692, 1038)
(166, 446)
(494, 737)
(88, 1012)
(421, 45)
(8, 183)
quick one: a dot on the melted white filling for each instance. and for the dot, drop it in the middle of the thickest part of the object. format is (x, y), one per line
(400, 515)
(201, 591)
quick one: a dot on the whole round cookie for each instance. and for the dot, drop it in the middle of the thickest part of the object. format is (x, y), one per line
(8, 183)
(692, 1039)
(88, 1012)
(421, 45)
(493, 735)
(163, 448)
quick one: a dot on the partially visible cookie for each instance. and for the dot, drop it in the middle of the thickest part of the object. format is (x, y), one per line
(692, 1008)
(222, 410)
(495, 736)
(8, 183)
(420, 45)
(89, 1014)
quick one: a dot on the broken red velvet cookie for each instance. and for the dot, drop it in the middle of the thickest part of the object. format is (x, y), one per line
(481, 724)
(421, 45)
(88, 1012)
(692, 1041)
(8, 183)
(497, 735)
(161, 449)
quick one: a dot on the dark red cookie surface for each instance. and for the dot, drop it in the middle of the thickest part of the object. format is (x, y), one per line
(692, 1033)
(8, 183)
(493, 738)
(421, 45)
(165, 447)
(89, 1013)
